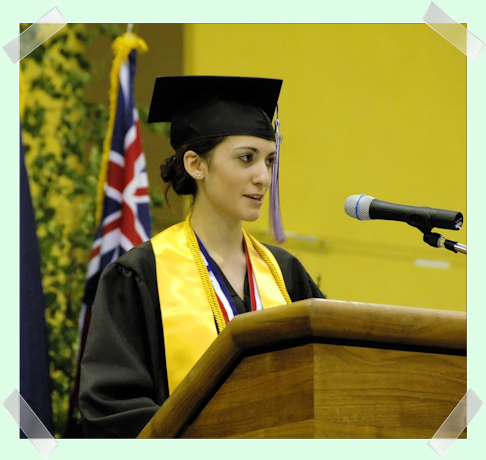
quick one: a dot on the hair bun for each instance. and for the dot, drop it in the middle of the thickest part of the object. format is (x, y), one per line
(166, 169)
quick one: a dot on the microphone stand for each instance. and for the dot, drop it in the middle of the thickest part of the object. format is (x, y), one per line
(436, 240)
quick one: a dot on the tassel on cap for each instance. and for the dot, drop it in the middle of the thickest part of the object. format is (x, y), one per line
(275, 217)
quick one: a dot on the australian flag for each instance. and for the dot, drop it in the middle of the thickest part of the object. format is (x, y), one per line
(125, 220)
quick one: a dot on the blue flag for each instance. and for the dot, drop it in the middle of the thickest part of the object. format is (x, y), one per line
(35, 385)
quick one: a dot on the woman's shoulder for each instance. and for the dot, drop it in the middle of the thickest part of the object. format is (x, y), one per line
(140, 259)
(136, 269)
(282, 255)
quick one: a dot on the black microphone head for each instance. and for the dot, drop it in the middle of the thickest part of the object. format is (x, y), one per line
(358, 206)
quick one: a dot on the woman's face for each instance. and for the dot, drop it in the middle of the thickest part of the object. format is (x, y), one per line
(237, 175)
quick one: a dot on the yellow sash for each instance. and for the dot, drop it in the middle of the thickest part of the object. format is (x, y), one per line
(187, 300)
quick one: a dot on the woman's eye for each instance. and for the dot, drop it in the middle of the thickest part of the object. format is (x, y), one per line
(270, 161)
(246, 158)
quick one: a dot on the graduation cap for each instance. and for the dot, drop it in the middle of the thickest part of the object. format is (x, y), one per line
(200, 107)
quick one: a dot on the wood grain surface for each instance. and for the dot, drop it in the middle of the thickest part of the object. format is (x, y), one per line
(321, 368)
(332, 391)
(378, 393)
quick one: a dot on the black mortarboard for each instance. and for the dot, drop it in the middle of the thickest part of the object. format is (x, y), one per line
(200, 107)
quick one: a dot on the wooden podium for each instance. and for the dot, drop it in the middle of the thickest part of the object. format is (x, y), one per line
(323, 369)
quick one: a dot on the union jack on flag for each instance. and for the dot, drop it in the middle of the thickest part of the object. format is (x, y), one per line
(125, 213)
(125, 219)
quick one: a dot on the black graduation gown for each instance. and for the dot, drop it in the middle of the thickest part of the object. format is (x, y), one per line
(123, 371)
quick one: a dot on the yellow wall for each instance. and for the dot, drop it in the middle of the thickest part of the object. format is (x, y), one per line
(378, 109)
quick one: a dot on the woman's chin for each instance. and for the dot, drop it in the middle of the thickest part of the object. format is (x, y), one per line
(251, 218)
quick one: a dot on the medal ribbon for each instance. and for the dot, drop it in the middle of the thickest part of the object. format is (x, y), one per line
(256, 301)
(225, 300)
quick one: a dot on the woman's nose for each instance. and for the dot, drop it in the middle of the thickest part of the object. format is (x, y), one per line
(263, 174)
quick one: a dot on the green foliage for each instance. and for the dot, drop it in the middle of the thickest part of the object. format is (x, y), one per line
(63, 136)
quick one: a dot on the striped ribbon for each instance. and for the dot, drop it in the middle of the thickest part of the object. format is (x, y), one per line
(225, 300)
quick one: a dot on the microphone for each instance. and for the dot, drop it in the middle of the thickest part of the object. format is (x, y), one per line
(364, 207)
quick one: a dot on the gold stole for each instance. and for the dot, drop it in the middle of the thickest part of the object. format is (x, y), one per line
(187, 300)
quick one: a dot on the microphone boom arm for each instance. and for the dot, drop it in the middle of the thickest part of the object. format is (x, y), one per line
(437, 240)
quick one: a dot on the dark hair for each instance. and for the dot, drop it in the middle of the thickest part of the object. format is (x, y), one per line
(173, 171)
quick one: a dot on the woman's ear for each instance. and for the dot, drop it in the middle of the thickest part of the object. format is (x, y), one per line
(194, 165)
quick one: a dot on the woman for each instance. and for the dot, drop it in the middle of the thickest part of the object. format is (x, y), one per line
(160, 306)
